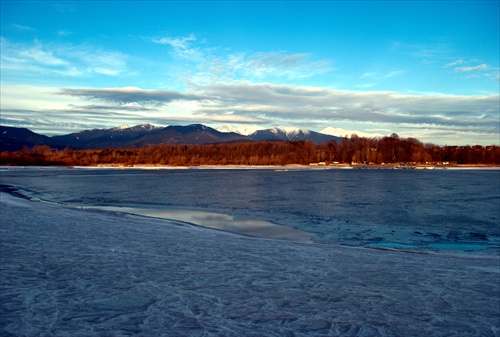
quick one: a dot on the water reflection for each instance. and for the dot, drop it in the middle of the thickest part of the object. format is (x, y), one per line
(225, 222)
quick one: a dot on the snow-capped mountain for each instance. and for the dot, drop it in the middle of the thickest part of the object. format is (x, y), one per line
(145, 127)
(340, 132)
(142, 127)
(291, 133)
(122, 127)
(146, 134)
(280, 132)
(189, 134)
(241, 129)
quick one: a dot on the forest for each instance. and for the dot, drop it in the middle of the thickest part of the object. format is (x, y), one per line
(353, 150)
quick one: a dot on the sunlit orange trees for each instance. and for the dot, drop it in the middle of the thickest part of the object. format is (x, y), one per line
(387, 150)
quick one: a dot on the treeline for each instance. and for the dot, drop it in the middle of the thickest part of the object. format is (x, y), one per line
(394, 149)
(388, 150)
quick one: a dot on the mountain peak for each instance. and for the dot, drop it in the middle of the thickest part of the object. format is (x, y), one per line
(122, 127)
(146, 126)
(244, 130)
(291, 131)
(288, 133)
(340, 132)
(199, 127)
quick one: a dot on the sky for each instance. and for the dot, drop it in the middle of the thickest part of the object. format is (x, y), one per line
(422, 69)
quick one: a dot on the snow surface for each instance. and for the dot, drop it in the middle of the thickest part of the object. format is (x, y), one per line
(340, 132)
(289, 131)
(74, 272)
(122, 127)
(143, 126)
(146, 126)
(248, 130)
(244, 130)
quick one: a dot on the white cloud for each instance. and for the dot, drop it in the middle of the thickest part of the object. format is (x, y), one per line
(341, 132)
(212, 65)
(380, 76)
(480, 67)
(21, 27)
(468, 71)
(280, 64)
(426, 51)
(31, 97)
(40, 59)
(393, 73)
(182, 47)
(370, 74)
(37, 55)
(63, 32)
(365, 85)
(176, 42)
(455, 63)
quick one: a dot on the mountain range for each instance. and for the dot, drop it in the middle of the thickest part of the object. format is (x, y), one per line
(14, 139)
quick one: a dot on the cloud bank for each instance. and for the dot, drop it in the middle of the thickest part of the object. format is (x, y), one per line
(269, 105)
(46, 59)
(131, 95)
(214, 64)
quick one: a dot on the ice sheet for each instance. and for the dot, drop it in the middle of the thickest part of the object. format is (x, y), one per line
(67, 271)
(405, 208)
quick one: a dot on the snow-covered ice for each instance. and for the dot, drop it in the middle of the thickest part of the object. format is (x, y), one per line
(73, 272)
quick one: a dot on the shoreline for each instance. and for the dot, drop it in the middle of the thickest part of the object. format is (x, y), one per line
(258, 229)
(270, 167)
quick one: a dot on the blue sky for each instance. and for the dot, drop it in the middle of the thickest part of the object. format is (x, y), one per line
(422, 69)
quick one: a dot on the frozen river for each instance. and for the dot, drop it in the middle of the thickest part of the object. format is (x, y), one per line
(72, 271)
(434, 210)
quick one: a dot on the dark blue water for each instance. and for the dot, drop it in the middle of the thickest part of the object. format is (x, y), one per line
(452, 210)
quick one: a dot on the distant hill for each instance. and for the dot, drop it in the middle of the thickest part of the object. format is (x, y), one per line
(122, 136)
(146, 134)
(14, 139)
(190, 134)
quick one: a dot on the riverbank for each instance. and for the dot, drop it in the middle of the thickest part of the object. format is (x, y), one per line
(278, 167)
